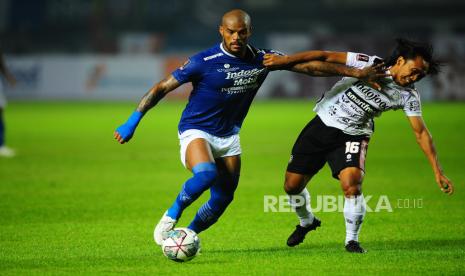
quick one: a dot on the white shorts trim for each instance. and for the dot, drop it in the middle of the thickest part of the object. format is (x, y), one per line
(220, 146)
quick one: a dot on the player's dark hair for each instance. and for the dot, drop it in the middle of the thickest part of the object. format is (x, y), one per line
(410, 49)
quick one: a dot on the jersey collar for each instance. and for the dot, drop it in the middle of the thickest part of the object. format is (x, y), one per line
(226, 52)
(231, 55)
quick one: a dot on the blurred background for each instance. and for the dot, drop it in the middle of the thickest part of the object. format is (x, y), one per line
(116, 50)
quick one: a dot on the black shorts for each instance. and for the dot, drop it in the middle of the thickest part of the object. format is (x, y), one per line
(318, 144)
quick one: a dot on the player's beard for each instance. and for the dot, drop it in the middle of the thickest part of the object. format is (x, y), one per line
(236, 48)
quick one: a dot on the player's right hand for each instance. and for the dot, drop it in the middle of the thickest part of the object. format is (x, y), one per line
(124, 133)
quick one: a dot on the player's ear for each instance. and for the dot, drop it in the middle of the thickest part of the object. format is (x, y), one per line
(221, 30)
(400, 61)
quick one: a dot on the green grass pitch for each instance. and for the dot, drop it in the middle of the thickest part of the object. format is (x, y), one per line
(75, 201)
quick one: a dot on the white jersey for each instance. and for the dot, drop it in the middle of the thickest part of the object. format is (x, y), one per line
(350, 105)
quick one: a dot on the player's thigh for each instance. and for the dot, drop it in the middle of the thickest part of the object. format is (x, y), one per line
(308, 155)
(347, 161)
(229, 165)
(301, 168)
(198, 151)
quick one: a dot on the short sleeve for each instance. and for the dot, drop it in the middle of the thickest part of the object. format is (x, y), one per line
(190, 71)
(276, 52)
(412, 104)
(358, 60)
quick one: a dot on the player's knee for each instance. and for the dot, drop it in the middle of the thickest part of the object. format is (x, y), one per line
(205, 172)
(294, 183)
(351, 187)
(224, 198)
(221, 198)
(292, 188)
(207, 176)
(352, 190)
(234, 182)
(351, 181)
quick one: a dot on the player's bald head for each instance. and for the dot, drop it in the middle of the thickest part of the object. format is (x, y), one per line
(236, 16)
(235, 30)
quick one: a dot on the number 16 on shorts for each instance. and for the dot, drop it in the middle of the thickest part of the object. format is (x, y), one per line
(352, 147)
(355, 153)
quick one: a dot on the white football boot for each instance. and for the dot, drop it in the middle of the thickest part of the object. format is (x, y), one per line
(165, 225)
(6, 152)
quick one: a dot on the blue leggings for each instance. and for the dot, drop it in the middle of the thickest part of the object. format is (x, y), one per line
(205, 175)
(221, 195)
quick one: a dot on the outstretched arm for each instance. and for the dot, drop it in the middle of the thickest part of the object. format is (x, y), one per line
(125, 132)
(156, 93)
(325, 64)
(327, 69)
(425, 141)
(285, 62)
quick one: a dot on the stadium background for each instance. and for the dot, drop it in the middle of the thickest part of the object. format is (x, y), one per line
(63, 49)
(73, 201)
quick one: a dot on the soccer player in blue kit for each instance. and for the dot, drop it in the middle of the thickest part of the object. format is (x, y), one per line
(225, 80)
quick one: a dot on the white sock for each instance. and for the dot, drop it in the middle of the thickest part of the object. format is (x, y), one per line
(354, 212)
(301, 204)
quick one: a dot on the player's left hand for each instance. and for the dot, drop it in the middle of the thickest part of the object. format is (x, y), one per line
(273, 61)
(445, 184)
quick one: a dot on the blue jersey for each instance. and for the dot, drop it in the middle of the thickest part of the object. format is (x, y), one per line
(223, 89)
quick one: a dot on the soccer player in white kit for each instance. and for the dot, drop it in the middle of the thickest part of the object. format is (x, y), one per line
(340, 132)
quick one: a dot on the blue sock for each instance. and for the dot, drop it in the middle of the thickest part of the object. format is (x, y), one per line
(204, 176)
(221, 195)
(2, 130)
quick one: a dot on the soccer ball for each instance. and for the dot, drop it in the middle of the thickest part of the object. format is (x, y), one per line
(181, 245)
